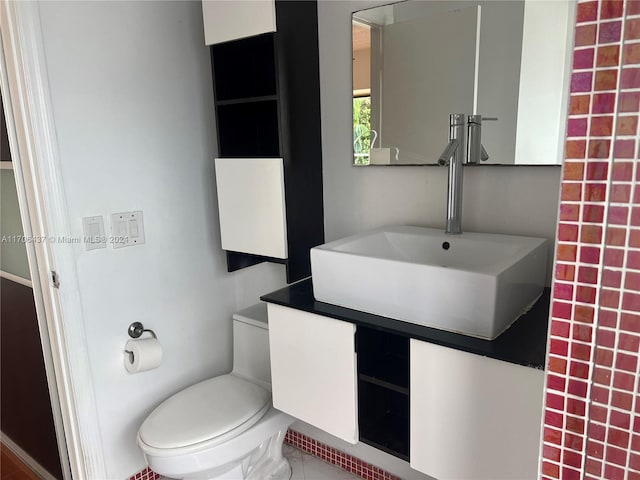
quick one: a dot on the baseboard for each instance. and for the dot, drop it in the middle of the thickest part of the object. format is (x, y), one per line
(15, 278)
(26, 458)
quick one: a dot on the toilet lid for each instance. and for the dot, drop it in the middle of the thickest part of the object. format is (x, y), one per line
(204, 411)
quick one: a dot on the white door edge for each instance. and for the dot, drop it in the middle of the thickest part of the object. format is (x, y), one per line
(44, 215)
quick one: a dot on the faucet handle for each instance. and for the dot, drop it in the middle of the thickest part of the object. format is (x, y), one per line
(456, 119)
(478, 119)
(475, 120)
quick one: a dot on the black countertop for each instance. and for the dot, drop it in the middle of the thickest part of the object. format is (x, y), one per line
(524, 343)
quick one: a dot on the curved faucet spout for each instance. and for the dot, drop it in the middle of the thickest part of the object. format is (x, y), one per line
(449, 151)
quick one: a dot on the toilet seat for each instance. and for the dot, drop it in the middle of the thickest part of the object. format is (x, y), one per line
(205, 414)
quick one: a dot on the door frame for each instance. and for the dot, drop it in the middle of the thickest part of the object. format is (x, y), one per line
(38, 172)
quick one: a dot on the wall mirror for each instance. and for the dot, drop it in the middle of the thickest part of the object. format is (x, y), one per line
(415, 62)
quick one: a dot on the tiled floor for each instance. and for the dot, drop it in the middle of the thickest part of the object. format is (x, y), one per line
(304, 466)
(307, 467)
(12, 468)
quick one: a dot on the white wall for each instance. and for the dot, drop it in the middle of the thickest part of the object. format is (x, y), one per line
(416, 119)
(502, 199)
(133, 109)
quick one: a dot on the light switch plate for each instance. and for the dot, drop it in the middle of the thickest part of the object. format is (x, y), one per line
(93, 230)
(127, 229)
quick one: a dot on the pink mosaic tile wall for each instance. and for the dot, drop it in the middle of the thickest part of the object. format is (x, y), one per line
(592, 409)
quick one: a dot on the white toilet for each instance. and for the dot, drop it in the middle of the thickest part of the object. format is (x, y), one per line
(224, 427)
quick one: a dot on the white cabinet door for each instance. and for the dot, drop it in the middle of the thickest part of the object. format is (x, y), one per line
(226, 20)
(473, 417)
(251, 205)
(313, 370)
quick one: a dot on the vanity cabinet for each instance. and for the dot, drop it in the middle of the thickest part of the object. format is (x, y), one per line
(451, 414)
(313, 370)
(473, 417)
(455, 407)
(230, 20)
(267, 103)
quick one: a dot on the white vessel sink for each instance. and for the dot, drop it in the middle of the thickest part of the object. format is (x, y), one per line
(475, 283)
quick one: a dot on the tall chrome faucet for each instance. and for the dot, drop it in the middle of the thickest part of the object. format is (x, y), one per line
(454, 157)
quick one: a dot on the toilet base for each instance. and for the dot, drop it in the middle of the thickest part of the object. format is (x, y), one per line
(255, 454)
(265, 462)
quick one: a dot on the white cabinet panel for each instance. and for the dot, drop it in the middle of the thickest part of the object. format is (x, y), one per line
(251, 205)
(473, 417)
(313, 370)
(226, 20)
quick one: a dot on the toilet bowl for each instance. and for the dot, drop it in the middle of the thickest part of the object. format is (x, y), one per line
(224, 427)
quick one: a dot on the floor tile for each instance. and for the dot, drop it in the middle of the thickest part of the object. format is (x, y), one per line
(12, 468)
(308, 467)
(294, 456)
(303, 467)
(7, 465)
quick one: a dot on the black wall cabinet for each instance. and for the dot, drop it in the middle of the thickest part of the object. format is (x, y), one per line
(267, 98)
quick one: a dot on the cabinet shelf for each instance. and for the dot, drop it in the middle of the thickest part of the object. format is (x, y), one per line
(383, 418)
(383, 384)
(238, 260)
(383, 356)
(385, 448)
(245, 68)
(236, 101)
(249, 129)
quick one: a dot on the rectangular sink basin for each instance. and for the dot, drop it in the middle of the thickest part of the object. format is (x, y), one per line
(476, 284)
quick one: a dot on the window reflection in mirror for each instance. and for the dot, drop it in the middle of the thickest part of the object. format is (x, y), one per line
(415, 62)
(362, 134)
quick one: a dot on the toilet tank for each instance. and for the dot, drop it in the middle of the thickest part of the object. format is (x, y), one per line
(251, 344)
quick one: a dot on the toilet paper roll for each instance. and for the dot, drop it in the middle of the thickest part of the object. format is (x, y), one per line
(145, 355)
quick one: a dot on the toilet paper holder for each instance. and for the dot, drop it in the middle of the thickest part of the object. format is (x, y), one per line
(136, 329)
(141, 354)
